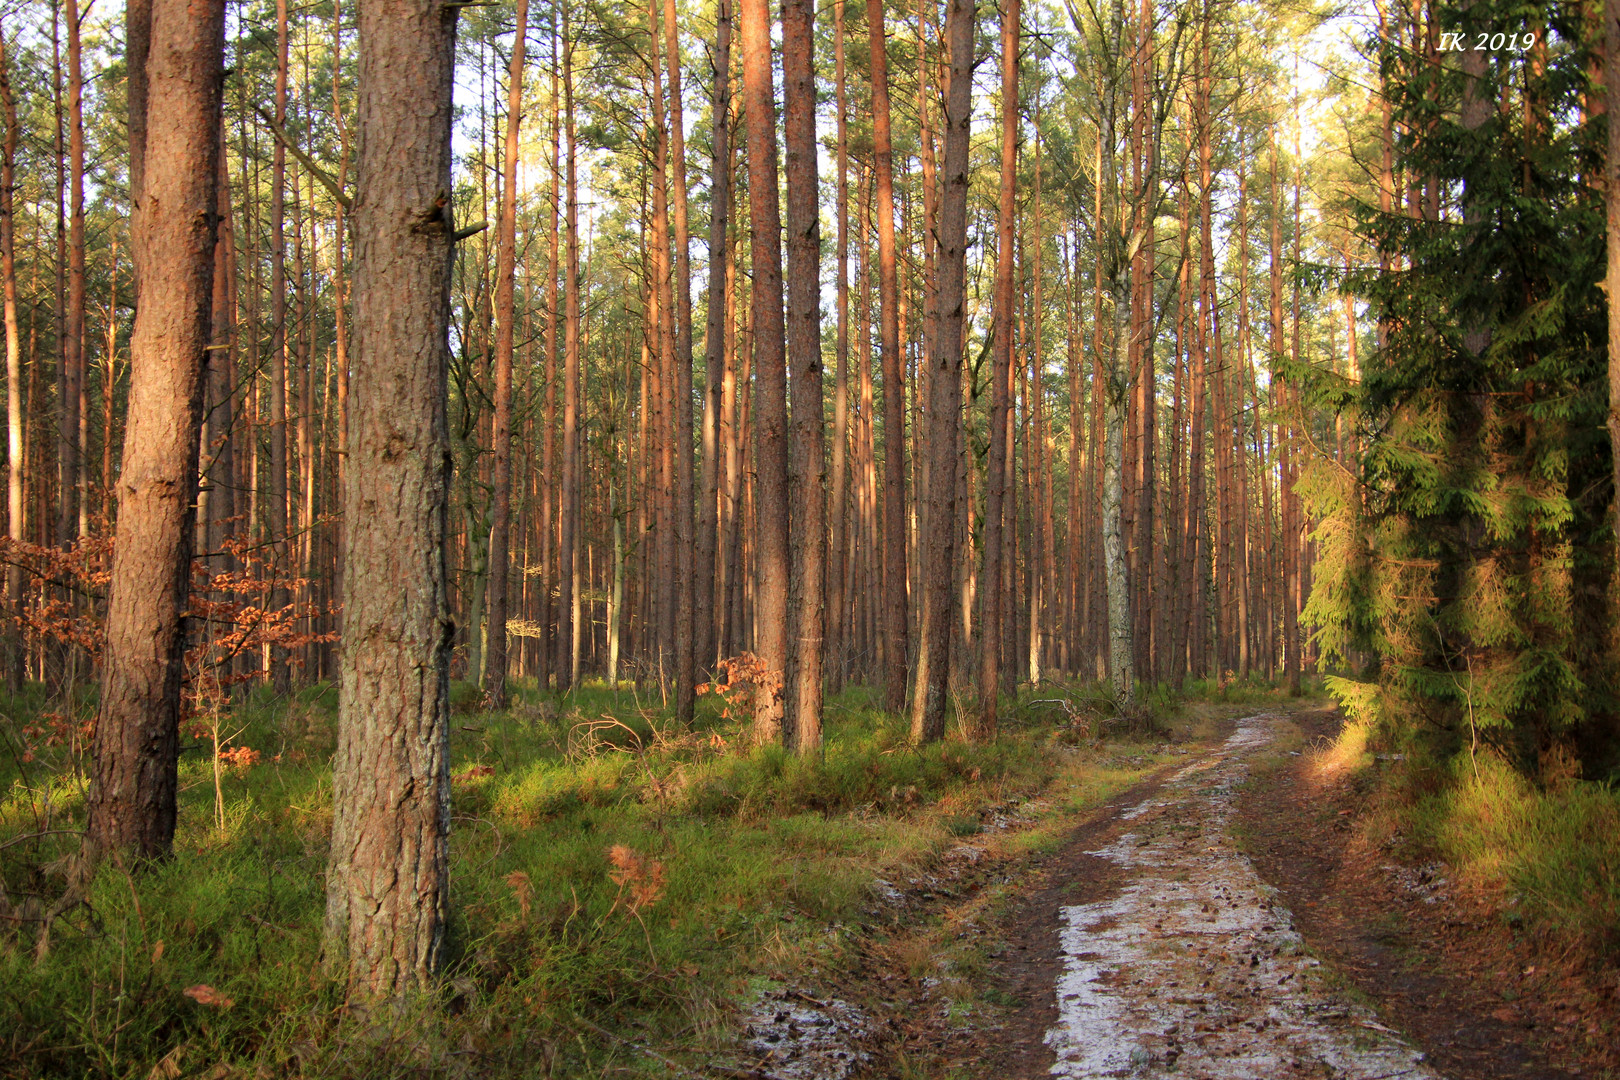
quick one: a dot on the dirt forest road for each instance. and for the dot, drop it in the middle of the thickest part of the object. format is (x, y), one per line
(1192, 969)
(1178, 960)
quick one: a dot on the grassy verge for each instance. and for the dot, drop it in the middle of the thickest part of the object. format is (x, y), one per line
(619, 885)
(1544, 855)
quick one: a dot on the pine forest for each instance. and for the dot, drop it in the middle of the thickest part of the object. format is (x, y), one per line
(707, 539)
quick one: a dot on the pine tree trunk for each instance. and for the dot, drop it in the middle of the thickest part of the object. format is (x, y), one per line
(217, 502)
(716, 372)
(131, 805)
(276, 493)
(896, 616)
(495, 661)
(549, 517)
(15, 462)
(568, 498)
(70, 445)
(686, 634)
(945, 389)
(997, 464)
(387, 879)
(770, 374)
(808, 477)
(837, 531)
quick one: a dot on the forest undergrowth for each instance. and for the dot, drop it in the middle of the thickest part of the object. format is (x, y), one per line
(1537, 850)
(621, 885)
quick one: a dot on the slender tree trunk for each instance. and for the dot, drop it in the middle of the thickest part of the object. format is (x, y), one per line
(131, 805)
(896, 616)
(568, 500)
(70, 445)
(945, 387)
(549, 518)
(998, 467)
(387, 881)
(495, 662)
(837, 533)
(219, 507)
(276, 493)
(714, 348)
(1611, 195)
(770, 373)
(808, 477)
(686, 633)
(15, 463)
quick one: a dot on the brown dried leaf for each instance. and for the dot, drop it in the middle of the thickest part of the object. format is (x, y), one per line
(203, 994)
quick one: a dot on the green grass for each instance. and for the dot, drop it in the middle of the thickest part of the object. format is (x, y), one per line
(1544, 854)
(767, 866)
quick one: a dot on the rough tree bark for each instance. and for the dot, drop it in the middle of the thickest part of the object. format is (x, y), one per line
(1611, 172)
(896, 616)
(945, 388)
(276, 488)
(714, 344)
(568, 498)
(685, 557)
(807, 571)
(996, 463)
(131, 803)
(770, 373)
(386, 892)
(837, 532)
(14, 418)
(70, 447)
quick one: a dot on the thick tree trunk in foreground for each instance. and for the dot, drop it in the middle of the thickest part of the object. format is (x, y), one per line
(131, 804)
(807, 587)
(500, 530)
(996, 463)
(770, 373)
(896, 616)
(386, 892)
(945, 390)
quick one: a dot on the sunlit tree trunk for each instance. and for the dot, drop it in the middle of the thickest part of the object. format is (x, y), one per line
(387, 880)
(998, 467)
(568, 498)
(217, 501)
(131, 805)
(495, 662)
(545, 653)
(838, 532)
(770, 372)
(15, 462)
(808, 536)
(716, 370)
(896, 618)
(945, 388)
(275, 494)
(70, 447)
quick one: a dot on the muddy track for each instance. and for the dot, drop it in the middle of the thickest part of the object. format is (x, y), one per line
(1169, 956)
(1149, 945)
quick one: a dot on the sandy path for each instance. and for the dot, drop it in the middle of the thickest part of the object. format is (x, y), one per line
(1192, 970)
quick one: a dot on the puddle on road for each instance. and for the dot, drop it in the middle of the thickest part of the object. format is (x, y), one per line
(1193, 970)
(793, 1036)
